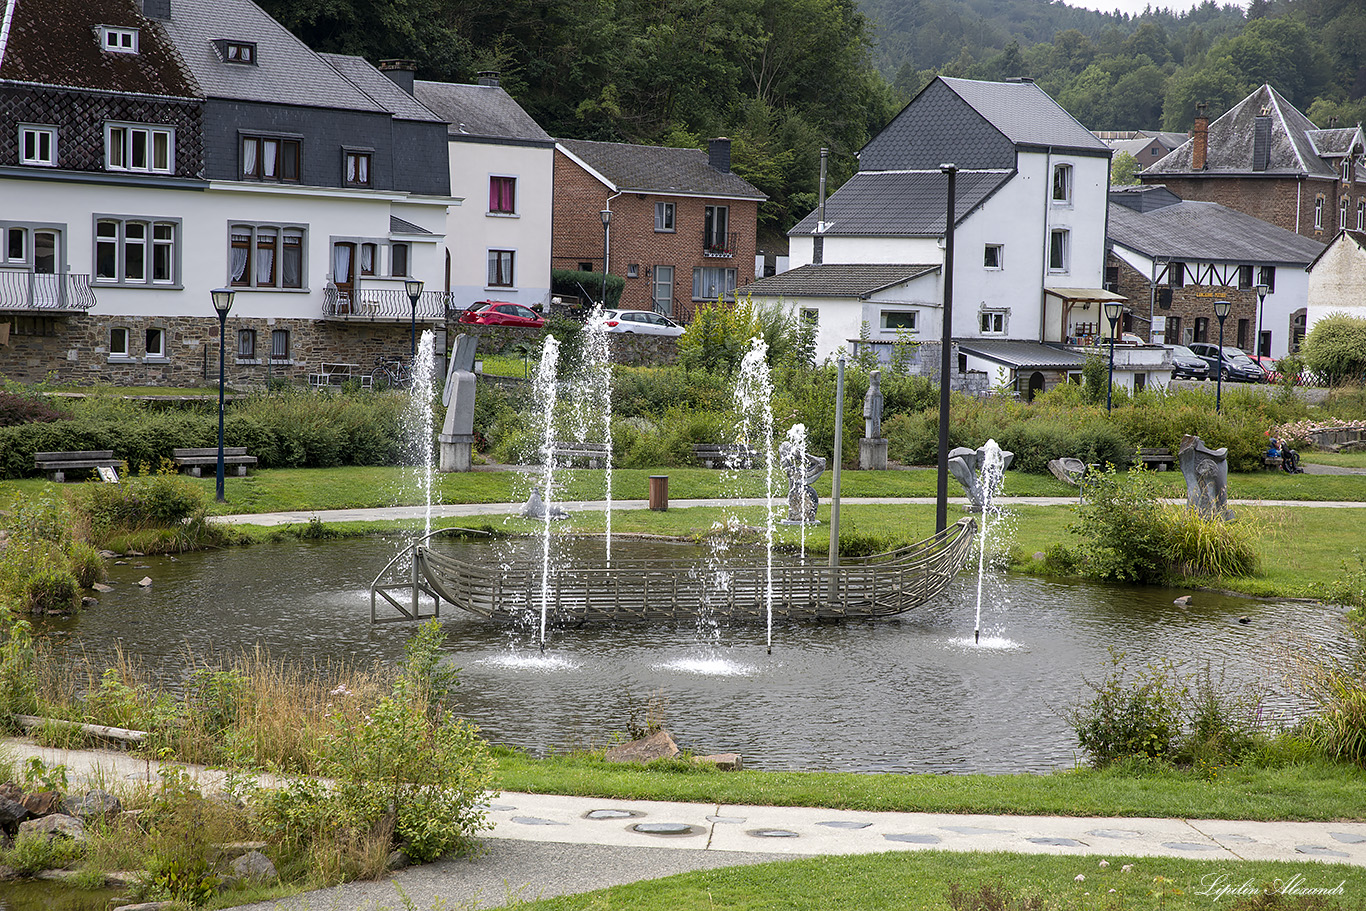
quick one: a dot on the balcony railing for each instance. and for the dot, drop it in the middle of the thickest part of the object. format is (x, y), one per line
(719, 244)
(45, 293)
(383, 304)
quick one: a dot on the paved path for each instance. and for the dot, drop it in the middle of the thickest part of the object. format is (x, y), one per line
(545, 845)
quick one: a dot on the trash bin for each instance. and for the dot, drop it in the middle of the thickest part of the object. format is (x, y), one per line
(659, 492)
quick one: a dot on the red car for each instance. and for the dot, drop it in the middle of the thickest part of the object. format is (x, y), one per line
(502, 313)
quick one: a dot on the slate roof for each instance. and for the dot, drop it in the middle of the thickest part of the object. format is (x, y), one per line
(381, 89)
(1019, 354)
(480, 112)
(1230, 142)
(901, 203)
(399, 226)
(286, 72)
(658, 169)
(1337, 143)
(54, 42)
(1026, 114)
(860, 280)
(1207, 232)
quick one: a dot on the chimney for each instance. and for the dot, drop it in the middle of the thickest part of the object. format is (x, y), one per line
(156, 9)
(818, 244)
(1332, 123)
(1200, 138)
(400, 72)
(718, 154)
(489, 78)
(1261, 142)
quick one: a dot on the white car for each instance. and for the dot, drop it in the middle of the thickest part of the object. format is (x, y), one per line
(640, 322)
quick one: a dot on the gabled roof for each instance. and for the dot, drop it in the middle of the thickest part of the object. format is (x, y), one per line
(286, 71)
(901, 203)
(1337, 143)
(658, 169)
(1345, 236)
(480, 112)
(1207, 232)
(380, 88)
(860, 280)
(1230, 142)
(54, 42)
(1026, 114)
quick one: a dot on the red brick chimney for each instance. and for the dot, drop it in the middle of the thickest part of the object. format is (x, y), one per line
(1200, 137)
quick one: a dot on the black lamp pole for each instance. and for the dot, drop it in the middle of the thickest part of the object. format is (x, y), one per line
(1261, 311)
(1112, 312)
(222, 302)
(1221, 310)
(606, 224)
(414, 289)
(941, 506)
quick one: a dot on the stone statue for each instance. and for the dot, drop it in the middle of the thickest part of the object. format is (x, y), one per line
(801, 496)
(965, 466)
(535, 507)
(1206, 472)
(457, 431)
(1069, 471)
(872, 449)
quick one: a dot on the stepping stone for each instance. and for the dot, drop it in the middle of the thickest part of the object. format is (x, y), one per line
(774, 833)
(1189, 846)
(1115, 833)
(102, 588)
(537, 821)
(727, 820)
(1236, 839)
(1348, 838)
(914, 839)
(845, 824)
(1319, 851)
(609, 814)
(1057, 842)
(664, 828)
(499, 807)
(975, 830)
(145, 581)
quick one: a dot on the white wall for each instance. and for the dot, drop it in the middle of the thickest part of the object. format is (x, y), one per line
(1338, 282)
(472, 231)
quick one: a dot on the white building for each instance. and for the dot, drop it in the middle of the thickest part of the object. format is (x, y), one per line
(1337, 278)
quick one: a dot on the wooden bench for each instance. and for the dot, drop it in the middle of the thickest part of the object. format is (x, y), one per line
(1273, 462)
(193, 461)
(1156, 459)
(595, 454)
(57, 464)
(729, 455)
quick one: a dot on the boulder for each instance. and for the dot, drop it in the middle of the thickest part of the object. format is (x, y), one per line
(254, 867)
(658, 745)
(12, 812)
(42, 803)
(58, 825)
(726, 762)
(93, 804)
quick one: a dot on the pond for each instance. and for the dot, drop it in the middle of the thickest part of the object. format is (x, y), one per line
(907, 695)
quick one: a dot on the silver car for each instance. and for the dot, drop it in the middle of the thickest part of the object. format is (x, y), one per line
(640, 322)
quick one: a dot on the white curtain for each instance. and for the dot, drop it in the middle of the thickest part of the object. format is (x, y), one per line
(239, 256)
(341, 264)
(249, 156)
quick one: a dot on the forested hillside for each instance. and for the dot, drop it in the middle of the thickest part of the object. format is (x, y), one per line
(784, 77)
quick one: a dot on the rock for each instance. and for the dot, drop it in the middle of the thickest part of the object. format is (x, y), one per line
(12, 812)
(1040, 556)
(397, 861)
(658, 745)
(148, 906)
(1183, 600)
(726, 762)
(7, 873)
(1244, 619)
(94, 804)
(88, 601)
(102, 588)
(145, 581)
(11, 790)
(254, 867)
(235, 849)
(135, 553)
(109, 554)
(42, 803)
(58, 825)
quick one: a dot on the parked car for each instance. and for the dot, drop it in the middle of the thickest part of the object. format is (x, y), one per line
(1232, 364)
(642, 322)
(1186, 364)
(502, 313)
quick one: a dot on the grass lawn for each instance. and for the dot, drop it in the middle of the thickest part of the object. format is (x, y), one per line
(912, 880)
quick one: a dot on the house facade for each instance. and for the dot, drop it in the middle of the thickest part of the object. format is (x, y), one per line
(1267, 159)
(163, 149)
(1174, 258)
(682, 230)
(502, 164)
(1337, 278)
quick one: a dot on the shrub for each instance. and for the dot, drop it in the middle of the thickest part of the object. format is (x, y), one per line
(1335, 348)
(573, 283)
(1122, 529)
(161, 500)
(1130, 717)
(86, 564)
(20, 409)
(33, 853)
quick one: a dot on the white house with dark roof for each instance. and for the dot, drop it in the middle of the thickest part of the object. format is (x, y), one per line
(503, 165)
(1029, 230)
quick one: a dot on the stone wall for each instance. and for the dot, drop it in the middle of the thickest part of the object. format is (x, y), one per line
(1285, 202)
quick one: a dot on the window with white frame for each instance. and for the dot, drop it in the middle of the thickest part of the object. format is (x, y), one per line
(502, 196)
(34, 248)
(993, 322)
(1058, 242)
(135, 147)
(502, 269)
(398, 260)
(271, 158)
(1361, 214)
(356, 168)
(664, 216)
(266, 256)
(1244, 277)
(154, 342)
(118, 341)
(369, 256)
(991, 256)
(1062, 183)
(38, 145)
(905, 320)
(279, 344)
(1318, 212)
(118, 40)
(1176, 275)
(1342, 213)
(246, 344)
(713, 283)
(135, 251)
(810, 316)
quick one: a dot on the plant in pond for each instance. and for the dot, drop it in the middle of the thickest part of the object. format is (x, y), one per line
(1138, 715)
(34, 852)
(645, 717)
(1223, 723)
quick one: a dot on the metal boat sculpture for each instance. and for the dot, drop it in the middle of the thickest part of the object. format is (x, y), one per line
(882, 585)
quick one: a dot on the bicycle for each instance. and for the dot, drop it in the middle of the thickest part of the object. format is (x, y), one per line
(388, 371)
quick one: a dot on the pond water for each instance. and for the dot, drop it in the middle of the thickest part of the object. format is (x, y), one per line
(907, 695)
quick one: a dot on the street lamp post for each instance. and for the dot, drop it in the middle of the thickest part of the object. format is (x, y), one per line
(941, 506)
(414, 288)
(1262, 291)
(1113, 309)
(606, 225)
(1221, 310)
(222, 302)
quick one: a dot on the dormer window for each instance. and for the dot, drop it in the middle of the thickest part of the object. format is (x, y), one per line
(236, 51)
(118, 40)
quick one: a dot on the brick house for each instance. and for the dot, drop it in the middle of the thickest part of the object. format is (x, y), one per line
(683, 225)
(1173, 259)
(1265, 158)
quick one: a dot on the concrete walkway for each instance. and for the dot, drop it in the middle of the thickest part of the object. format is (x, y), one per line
(540, 845)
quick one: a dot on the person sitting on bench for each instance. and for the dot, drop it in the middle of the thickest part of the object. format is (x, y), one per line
(1290, 459)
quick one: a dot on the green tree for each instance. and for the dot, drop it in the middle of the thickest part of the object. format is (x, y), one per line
(1336, 348)
(1124, 170)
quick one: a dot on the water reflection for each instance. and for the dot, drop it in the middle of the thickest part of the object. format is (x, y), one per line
(912, 694)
